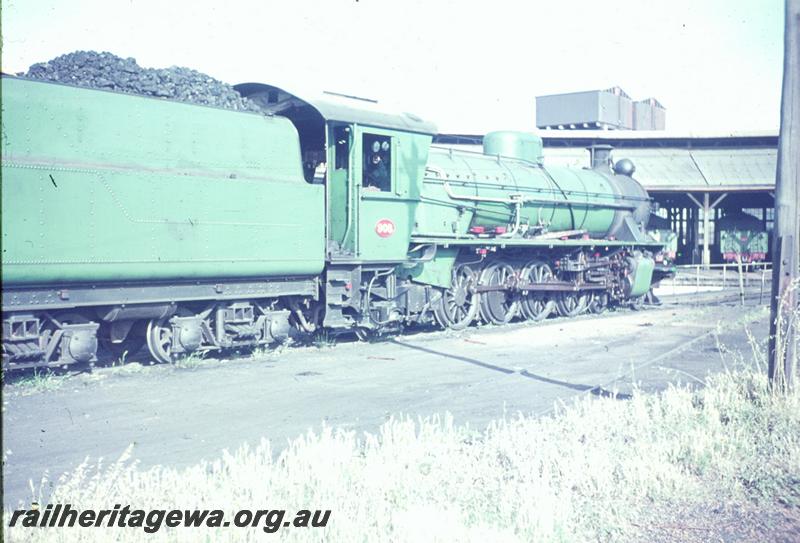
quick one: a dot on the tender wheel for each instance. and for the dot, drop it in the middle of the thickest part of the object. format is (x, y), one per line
(536, 306)
(458, 305)
(499, 306)
(571, 304)
(159, 340)
(598, 302)
(172, 337)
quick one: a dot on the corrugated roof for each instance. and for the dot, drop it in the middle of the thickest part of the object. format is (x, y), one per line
(686, 169)
(737, 166)
(664, 167)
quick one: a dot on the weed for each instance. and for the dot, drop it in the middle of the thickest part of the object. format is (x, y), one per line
(271, 350)
(191, 361)
(121, 360)
(259, 352)
(39, 380)
(324, 339)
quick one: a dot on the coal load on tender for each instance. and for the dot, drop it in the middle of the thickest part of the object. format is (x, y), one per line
(108, 71)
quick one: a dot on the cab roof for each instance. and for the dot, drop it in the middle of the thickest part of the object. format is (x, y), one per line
(333, 106)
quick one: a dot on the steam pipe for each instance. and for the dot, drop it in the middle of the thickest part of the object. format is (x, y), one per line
(518, 198)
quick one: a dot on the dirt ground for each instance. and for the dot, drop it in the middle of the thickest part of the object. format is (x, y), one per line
(177, 416)
(720, 522)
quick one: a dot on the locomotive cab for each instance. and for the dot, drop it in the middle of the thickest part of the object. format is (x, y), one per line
(372, 160)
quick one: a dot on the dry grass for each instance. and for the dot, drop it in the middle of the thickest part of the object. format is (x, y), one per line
(584, 474)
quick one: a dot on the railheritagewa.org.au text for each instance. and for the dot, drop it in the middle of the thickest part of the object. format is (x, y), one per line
(152, 520)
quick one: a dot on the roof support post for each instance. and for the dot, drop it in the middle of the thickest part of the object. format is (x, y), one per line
(707, 206)
(706, 230)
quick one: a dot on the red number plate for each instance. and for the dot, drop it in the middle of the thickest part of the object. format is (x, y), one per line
(384, 228)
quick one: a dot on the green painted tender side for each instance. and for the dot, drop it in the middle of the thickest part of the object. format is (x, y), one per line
(102, 186)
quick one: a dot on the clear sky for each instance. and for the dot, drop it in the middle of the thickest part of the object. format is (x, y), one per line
(468, 66)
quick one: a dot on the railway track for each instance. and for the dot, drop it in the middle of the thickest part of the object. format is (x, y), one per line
(718, 296)
(700, 299)
(693, 300)
(749, 300)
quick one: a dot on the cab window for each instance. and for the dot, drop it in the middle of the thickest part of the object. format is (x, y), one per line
(377, 162)
(341, 135)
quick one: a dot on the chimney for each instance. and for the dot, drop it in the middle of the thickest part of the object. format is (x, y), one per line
(600, 157)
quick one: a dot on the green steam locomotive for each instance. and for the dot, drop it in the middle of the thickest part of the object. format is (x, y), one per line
(741, 237)
(129, 220)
